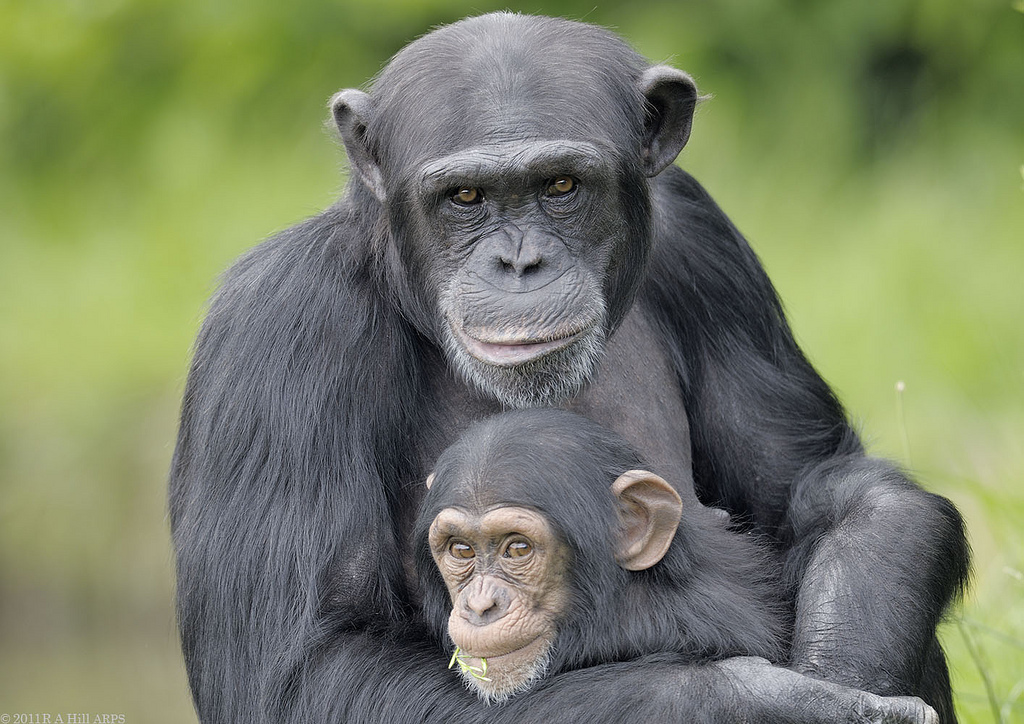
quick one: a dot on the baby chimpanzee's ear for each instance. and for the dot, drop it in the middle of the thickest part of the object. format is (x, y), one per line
(649, 512)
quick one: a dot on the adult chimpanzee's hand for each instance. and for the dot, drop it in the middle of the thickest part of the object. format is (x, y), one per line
(788, 696)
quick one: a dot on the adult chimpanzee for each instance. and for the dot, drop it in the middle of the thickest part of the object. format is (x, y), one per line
(515, 234)
(542, 546)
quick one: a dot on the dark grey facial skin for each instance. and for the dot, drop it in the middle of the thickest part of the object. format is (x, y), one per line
(524, 311)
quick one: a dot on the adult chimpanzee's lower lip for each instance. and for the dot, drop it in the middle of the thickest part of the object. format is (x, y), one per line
(508, 353)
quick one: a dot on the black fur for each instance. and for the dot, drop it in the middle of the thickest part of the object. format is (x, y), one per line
(319, 398)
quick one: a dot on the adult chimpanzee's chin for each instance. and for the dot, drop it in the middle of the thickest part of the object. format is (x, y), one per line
(556, 372)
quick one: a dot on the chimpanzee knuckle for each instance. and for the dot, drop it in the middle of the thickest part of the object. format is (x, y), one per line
(910, 710)
(874, 709)
(930, 715)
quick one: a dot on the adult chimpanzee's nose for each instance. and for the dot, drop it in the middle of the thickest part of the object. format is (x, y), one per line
(521, 263)
(523, 252)
(485, 602)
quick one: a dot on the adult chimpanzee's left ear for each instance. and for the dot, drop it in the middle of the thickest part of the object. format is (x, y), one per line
(671, 97)
(649, 510)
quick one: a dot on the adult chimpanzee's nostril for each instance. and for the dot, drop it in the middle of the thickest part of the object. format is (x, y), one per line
(531, 266)
(522, 265)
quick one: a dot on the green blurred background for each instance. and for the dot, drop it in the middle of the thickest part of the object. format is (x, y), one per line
(872, 151)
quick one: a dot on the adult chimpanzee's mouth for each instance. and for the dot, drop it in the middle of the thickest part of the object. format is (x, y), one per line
(512, 351)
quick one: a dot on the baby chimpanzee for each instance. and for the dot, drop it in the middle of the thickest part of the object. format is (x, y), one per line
(542, 546)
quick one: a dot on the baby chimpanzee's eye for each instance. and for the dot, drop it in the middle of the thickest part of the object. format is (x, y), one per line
(458, 549)
(518, 548)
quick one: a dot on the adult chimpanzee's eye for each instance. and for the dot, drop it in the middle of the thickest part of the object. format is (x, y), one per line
(458, 549)
(468, 196)
(518, 549)
(561, 186)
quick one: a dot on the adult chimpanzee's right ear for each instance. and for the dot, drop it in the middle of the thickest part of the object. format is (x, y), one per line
(671, 97)
(351, 109)
(649, 511)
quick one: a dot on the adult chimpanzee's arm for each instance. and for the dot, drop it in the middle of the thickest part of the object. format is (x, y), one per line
(872, 553)
(873, 559)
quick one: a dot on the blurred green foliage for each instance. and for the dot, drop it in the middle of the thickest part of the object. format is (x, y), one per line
(871, 151)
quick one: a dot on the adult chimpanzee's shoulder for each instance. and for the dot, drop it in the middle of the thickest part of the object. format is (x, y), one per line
(677, 191)
(300, 324)
(688, 223)
(746, 383)
(320, 255)
(312, 284)
(704, 276)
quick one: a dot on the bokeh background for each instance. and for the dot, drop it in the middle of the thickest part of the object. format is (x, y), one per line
(873, 152)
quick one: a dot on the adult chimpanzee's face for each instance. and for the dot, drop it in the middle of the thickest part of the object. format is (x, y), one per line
(512, 168)
(518, 238)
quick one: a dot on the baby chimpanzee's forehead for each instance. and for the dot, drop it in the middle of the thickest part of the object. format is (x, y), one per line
(494, 522)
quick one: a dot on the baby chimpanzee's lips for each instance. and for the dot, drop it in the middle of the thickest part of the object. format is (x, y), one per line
(511, 352)
(530, 650)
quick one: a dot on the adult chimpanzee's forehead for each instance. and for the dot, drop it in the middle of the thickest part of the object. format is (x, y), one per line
(503, 78)
(492, 52)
